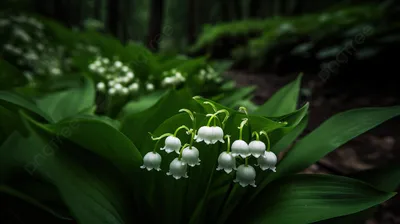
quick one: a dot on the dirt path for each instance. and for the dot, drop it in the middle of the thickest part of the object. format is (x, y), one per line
(374, 148)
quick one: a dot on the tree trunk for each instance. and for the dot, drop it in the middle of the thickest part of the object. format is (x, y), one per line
(254, 7)
(238, 9)
(295, 8)
(113, 17)
(98, 8)
(191, 29)
(127, 20)
(155, 24)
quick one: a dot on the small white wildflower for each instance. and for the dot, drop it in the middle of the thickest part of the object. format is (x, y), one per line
(240, 148)
(125, 91)
(257, 148)
(101, 70)
(101, 86)
(267, 161)
(134, 87)
(117, 86)
(106, 60)
(172, 143)
(92, 67)
(118, 64)
(245, 175)
(130, 75)
(125, 69)
(204, 134)
(111, 83)
(112, 91)
(55, 71)
(190, 156)
(226, 162)
(177, 169)
(150, 86)
(152, 160)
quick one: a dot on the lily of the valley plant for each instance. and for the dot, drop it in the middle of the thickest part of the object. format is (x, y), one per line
(203, 162)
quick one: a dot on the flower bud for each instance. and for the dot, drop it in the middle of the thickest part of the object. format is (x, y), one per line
(245, 175)
(240, 148)
(257, 148)
(210, 135)
(267, 161)
(151, 160)
(226, 162)
(177, 169)
(172, 143)
(190, 156)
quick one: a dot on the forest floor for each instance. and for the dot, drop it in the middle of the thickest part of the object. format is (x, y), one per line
(372, 149)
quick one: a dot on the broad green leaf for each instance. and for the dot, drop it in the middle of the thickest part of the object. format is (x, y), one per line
(333, 133)
(70, 102)
(141, 104)
(385, 178)
(10, 76)
(230, 98)
(288, 139)
(26, 198)
(97, 136)
(310, 198)
(94, 191)
(14, 102)
(284, 101)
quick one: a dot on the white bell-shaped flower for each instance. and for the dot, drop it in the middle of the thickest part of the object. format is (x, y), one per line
(217, 135)
(190, 156)
(226, 162)
(267, 161)
(245, 175)
(204, 134)
(210, 135)
(177, 169)
(172, 143)
(240, 148)
(152, 160)
(257, 148)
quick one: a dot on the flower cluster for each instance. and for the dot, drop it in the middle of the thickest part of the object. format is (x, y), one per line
(29, 48)
(118, 78)
(172, 78)
(209, 75)
(211, 133)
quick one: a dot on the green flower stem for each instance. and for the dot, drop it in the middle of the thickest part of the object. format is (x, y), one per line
(228, 143)
(191, 115)
(268, 141)
(243, 109)
(257, 135)
(180, 128)
(241, 128)
(160, 137)
(192, 138)
(155, 145)
(246, 161)
(212, 105)
(180, 152)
